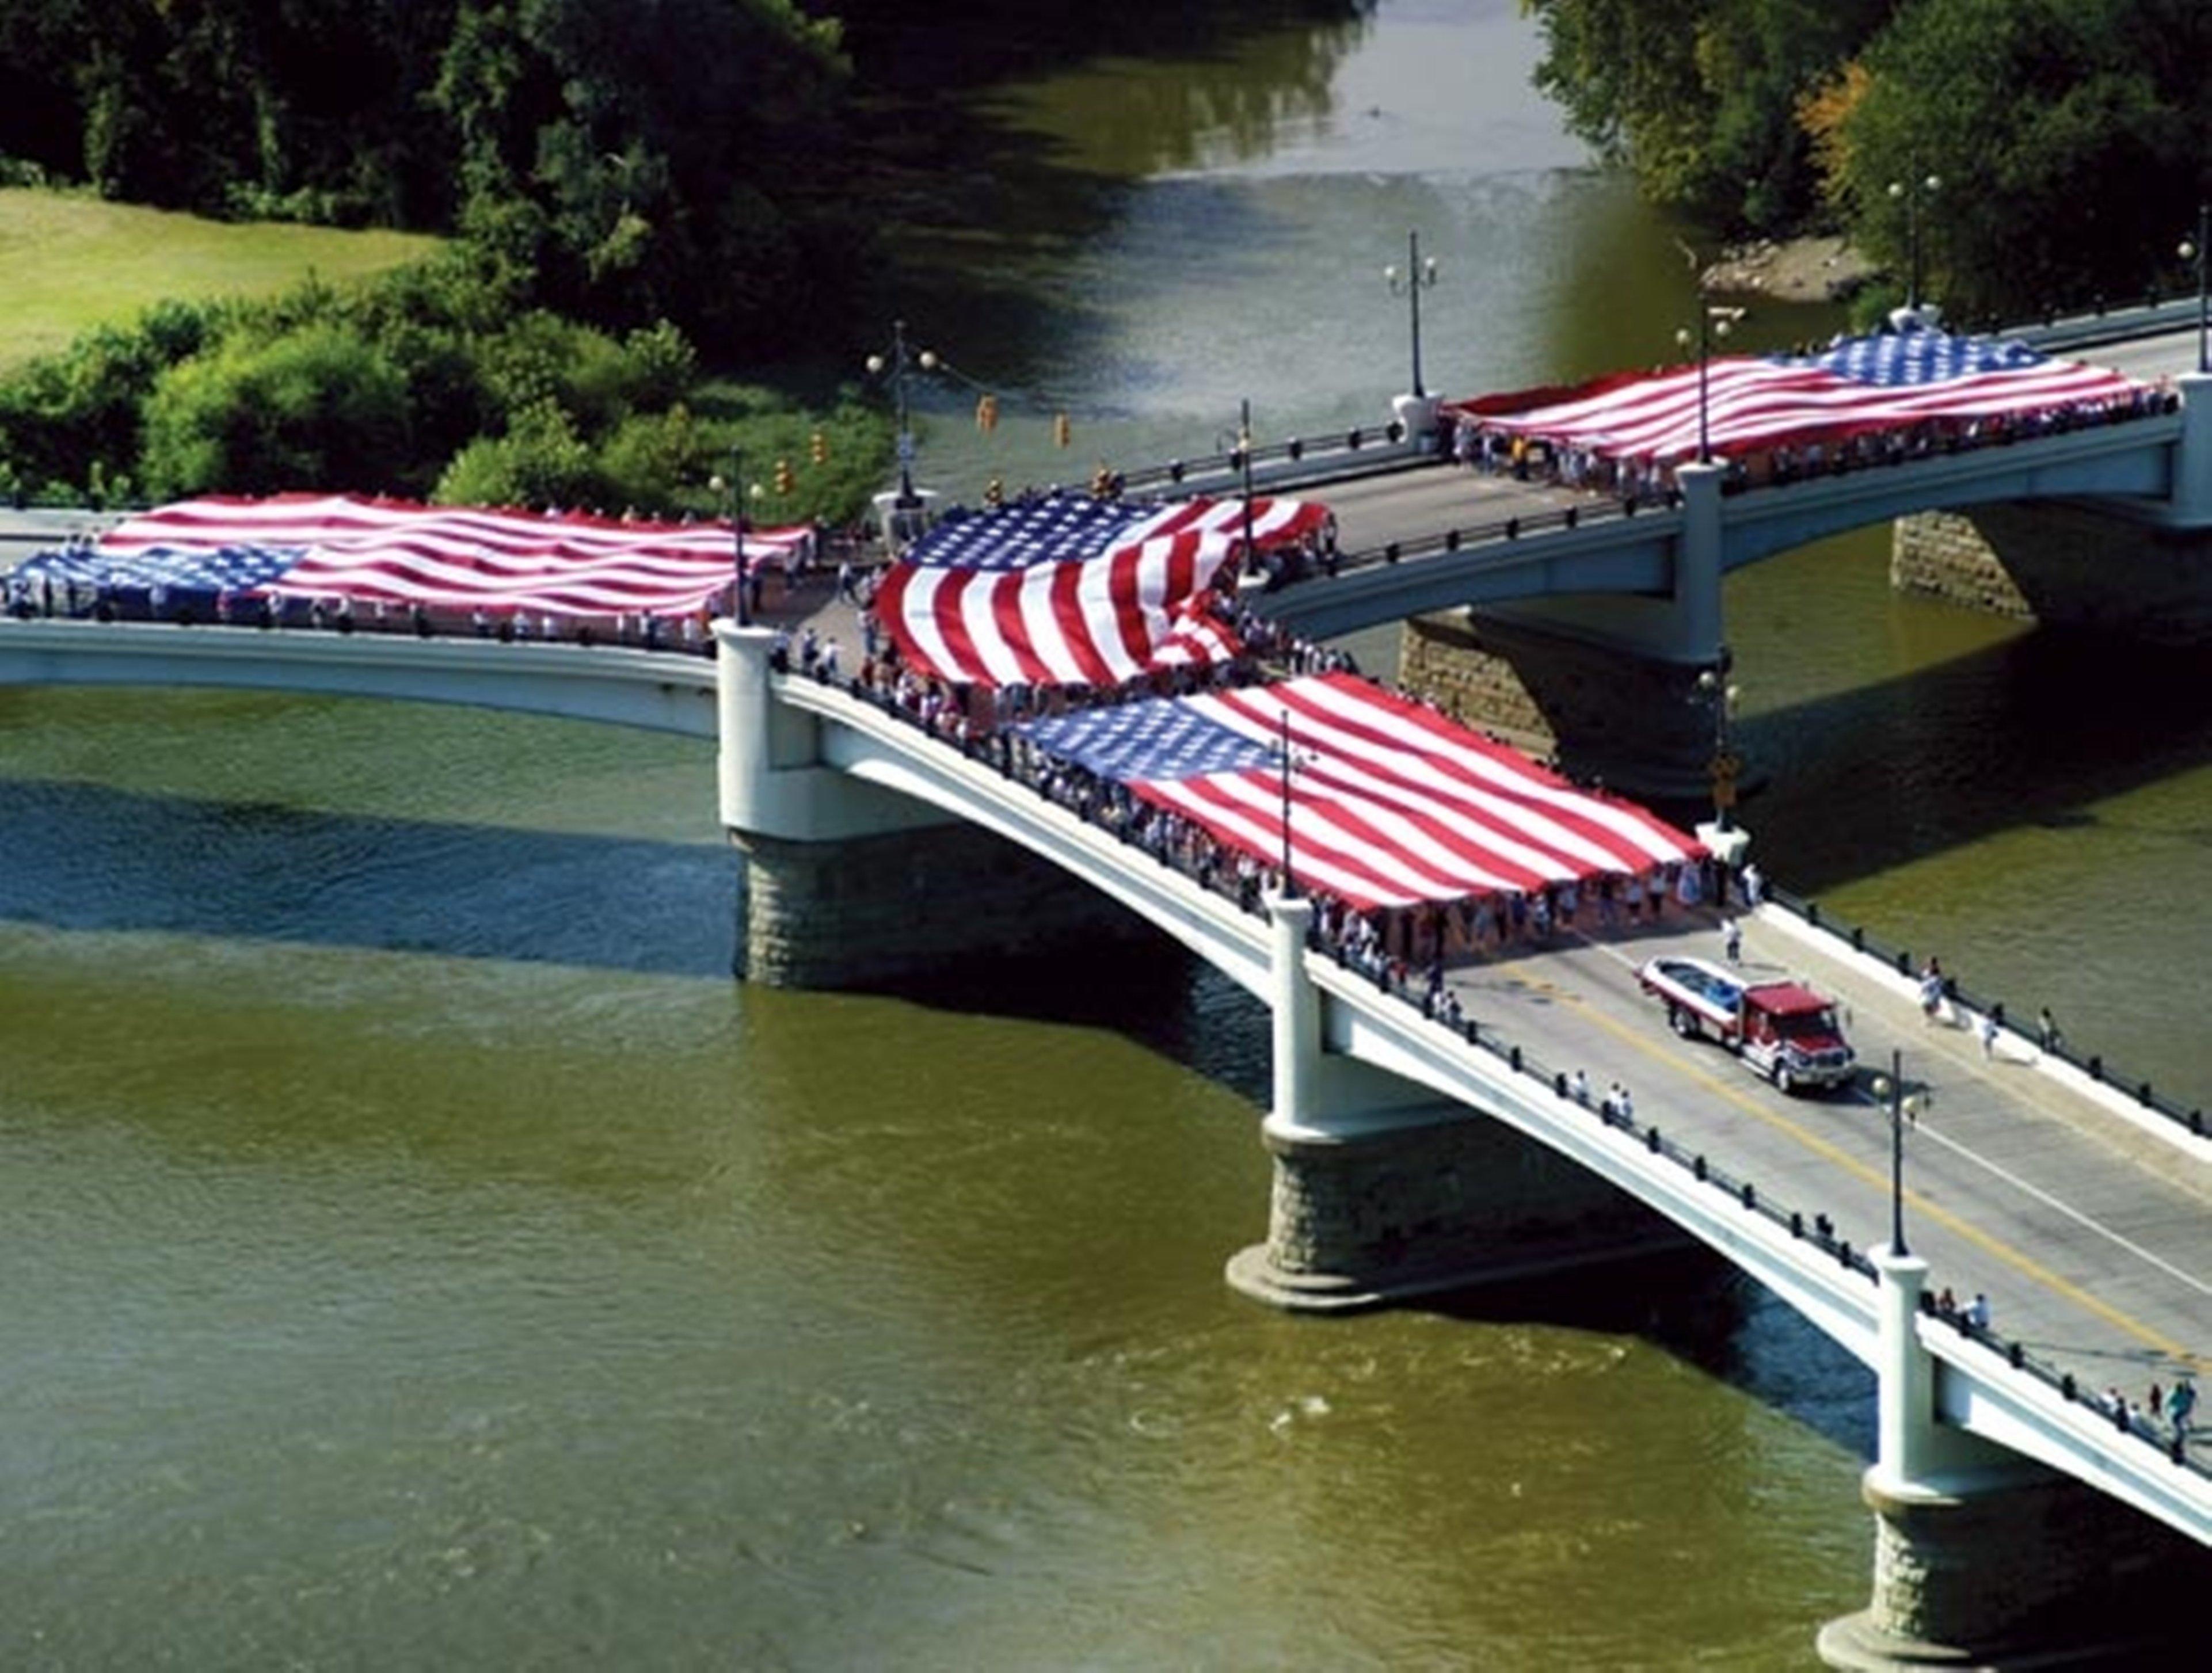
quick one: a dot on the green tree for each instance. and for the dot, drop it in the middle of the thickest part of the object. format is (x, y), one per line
(2067, 134)
(540, 462)
(317, 408)
(1699, 98)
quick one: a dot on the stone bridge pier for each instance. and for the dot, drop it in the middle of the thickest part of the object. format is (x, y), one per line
(1383, 1192)
(850, 885)
(1604, 683)
(1982, 1559)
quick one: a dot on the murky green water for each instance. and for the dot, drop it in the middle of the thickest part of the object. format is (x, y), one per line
(419, 1253)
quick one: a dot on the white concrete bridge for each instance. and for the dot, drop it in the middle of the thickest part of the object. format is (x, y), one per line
(1413, 1154)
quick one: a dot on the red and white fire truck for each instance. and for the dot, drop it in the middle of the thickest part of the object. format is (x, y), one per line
(1783, 1030)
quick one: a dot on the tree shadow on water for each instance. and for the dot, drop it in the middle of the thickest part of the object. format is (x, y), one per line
(88, 857)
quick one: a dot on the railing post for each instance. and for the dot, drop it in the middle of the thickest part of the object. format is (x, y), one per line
(745, 711)
(1698, 552)
(1296, 1007)
(2191, 491)
(1904, 1400)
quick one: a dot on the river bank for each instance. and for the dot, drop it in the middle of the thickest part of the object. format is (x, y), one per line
(1825, 269)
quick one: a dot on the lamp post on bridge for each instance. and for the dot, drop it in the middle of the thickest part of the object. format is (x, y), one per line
(2199, 252)
(1713, 685)
(1418, 276)
(1714, 320)
(1291, 761)
(1903, 1110)
(734, 485)
(1249, 564)
(897, 367)
(1910, 192)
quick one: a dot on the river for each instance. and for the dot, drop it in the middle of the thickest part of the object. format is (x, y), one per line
(420, 1252)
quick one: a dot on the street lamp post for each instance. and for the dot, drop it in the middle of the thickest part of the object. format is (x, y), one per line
(1890, 1089)
(1291, 763)
(1417, 277)
(1911, 194)
(2197, 251)
(1713, 684)
(1244, 469)
(897, 365)
(735, 486)
(1713, 321)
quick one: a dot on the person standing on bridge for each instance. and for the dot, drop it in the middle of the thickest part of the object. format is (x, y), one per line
(1931, 991)
(2178, 1406)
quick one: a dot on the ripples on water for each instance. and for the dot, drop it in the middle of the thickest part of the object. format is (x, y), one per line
(421, 1272)
(421, 1254)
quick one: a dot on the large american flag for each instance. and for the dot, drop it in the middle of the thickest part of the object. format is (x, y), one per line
(1069, 591)
(337, 546)
(1391, 803)
(1887, 382)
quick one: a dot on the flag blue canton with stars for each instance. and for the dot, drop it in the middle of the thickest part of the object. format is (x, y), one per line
(1153, 740)
(1057, 529)
(1902, 359)
(180, 569)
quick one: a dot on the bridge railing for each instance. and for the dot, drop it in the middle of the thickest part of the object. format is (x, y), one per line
(2150, 314)
(2127, 1419)
(1394, 983)
(2052, 1043)
(1361, 450)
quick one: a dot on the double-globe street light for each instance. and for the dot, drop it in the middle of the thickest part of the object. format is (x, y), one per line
(1418, 275)
(1713, 686)
(734, 485)
(2194, 250)
(900, 364)
(1910, 193)
(1904, 1111)
(1714, 320)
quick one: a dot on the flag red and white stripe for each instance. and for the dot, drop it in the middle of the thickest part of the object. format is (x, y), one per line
(1750, 404)
(1390, 802)
(452, 558)
(1051, 594)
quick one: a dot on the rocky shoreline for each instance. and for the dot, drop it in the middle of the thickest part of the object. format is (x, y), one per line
(1803, 269)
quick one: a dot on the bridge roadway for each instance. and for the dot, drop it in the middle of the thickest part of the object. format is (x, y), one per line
(2089, 1228)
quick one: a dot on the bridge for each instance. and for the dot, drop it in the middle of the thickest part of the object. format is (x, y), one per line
(1424, 1141)
(1413, 1152)
(1591, 616)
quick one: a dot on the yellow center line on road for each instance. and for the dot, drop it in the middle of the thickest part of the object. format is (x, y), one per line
(1995, 1247)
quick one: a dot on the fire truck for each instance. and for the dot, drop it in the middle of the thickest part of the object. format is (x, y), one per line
(1783, 1030)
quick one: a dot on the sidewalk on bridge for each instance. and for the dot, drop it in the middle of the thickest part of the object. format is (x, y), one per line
(1949, 1048)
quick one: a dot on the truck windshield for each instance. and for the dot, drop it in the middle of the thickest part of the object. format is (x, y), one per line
(1807, 1025)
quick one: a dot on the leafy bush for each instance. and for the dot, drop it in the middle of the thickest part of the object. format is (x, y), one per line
(320, 407)
(540, 462)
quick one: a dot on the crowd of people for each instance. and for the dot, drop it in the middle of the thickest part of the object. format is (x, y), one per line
(1396, 946)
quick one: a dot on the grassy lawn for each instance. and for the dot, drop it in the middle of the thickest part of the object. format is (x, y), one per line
(67, 262)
